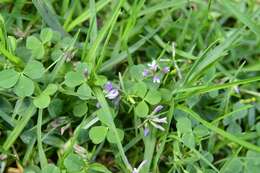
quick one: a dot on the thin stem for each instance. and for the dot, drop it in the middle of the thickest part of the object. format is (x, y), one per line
(42, 157)
(149, 142)
(100, 96)
(12, 58)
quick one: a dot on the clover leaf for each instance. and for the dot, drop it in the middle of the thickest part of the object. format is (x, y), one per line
(142, 109)
(73, 79)
(42, 101)
(24, 87)
(98, 134)
(36, 47)
(8, 78)
(34, 69)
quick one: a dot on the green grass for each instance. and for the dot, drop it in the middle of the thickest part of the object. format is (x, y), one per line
(60, 114)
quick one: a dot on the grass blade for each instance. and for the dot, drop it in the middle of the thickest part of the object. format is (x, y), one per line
(122, 56)
(93, 52)
(86, 15)
(164, 5)
(211, 57)
(101, 99)
(19, 127)
(7, 118)
(165, 135)
(241, 16)
(204, 89)
(12, 58)
(48, 16)
(218, 130)
(42, 157)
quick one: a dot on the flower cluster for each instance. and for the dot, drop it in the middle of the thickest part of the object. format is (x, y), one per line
(110, 91)
(154, 120)
(155, 71)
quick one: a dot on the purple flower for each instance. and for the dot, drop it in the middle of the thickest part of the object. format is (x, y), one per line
(153, 66)
(160, 120)
(158, 108)
(145, 72)
(108, 86)
(111, 92)
(146, 131)
(155, 120)
(156, 79)
(166, 70)
(157, 125)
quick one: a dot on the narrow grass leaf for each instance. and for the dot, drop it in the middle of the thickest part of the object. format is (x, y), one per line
(163, 5)
(100, 96)
(212, 56)
(19, 127)
(93, 52)
(123, 56)
(241, 16)
(48, 16)
(86, 15)
(204, 89)
(42, 156)
(221, 132)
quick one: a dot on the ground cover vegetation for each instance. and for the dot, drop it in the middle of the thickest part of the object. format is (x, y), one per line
(129, 86)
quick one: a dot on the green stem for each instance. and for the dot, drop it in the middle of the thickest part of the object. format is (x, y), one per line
(165, 135)
(42, 157)
(86, 123)
(56, 69)
(29, 151)
(101, 99)
(149, 142)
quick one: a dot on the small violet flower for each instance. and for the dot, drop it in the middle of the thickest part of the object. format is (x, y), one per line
(156, 79)
(146, 131)
(155, 120)
(158, 126)
(145, 73)
(166, 70)
(137, 170)
(108, 86)
(157, 109)
(160, 120)
(153, 66)
(153, 71)
(111, 92)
